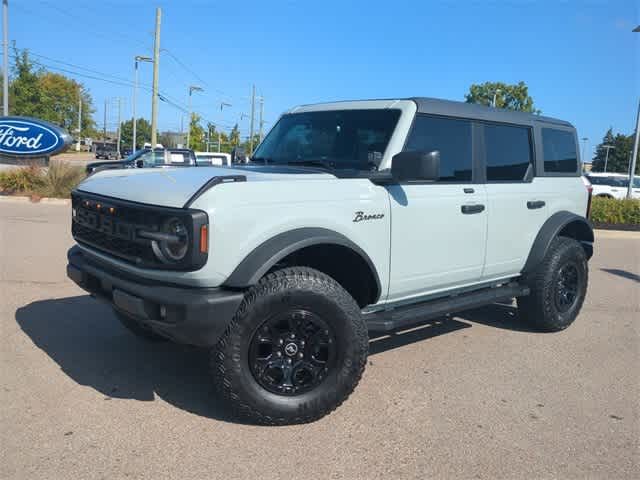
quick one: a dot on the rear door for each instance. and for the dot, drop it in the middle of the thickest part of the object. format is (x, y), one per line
(517, 205)
(438, 229)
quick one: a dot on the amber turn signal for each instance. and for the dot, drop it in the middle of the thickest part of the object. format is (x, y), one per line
(204, 239)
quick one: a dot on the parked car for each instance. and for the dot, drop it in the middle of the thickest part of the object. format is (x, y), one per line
(147, 158)
(107, 152)
(213, 158)
(613, 185)
(352, 217)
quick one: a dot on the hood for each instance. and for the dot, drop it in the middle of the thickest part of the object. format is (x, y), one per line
(172, 187)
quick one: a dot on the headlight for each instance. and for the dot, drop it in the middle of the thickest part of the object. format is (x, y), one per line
(172, 243)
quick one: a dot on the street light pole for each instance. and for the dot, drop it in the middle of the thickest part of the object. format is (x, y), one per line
(192, 88)
(5, 59)
(634, 157)
(154, 87)
(584, 147)
(494, 97)
(79, 118)
(606, 157)
(137, 58)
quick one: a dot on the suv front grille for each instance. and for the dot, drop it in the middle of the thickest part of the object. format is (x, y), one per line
(120, 247)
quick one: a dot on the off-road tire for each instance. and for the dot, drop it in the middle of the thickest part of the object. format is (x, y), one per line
(540, 309)
(137, 329)
(281, 291)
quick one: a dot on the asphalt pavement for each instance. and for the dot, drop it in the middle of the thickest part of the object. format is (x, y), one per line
(479, 395)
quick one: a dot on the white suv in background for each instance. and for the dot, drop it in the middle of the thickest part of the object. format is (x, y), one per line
(613, 185)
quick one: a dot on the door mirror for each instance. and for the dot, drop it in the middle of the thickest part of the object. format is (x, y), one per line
(139, 163)
(416, 166)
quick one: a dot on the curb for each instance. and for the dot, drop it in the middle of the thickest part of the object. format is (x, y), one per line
(25, 199)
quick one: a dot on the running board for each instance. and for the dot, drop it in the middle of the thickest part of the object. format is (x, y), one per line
(409, 315)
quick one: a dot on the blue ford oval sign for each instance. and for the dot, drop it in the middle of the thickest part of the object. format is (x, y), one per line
(30, 137)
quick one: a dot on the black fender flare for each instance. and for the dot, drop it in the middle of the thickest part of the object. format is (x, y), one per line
(580, 228)
(255, 265)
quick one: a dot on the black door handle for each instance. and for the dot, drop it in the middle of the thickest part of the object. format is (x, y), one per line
(532, 205)
(470, 209)
(469, 190)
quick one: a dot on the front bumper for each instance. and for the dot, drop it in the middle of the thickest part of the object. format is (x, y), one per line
(194, 316)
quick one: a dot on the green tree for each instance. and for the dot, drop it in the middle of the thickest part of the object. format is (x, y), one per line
(196, 133)
(49, 96)
(256, 141)
(511, 97)
(234, 136)
(619, 156)
(143, 133)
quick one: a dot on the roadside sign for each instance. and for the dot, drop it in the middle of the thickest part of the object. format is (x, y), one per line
(31, 137)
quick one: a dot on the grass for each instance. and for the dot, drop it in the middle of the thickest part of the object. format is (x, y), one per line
(55, 181)
(615, 212)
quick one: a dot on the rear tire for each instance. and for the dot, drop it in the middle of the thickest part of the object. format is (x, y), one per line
(137, 328)
(558, 287)
(294, 351)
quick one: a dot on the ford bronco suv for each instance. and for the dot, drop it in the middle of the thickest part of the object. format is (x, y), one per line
(350, 218)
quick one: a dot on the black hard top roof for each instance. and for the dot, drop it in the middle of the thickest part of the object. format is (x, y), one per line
(481, 112)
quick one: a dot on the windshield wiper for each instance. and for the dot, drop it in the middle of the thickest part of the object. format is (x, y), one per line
(263, 160)
(314, 163)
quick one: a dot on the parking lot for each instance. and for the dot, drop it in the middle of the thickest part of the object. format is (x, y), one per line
(474, 396)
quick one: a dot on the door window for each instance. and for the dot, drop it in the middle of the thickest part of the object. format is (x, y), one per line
(452, 138)
(508, 152)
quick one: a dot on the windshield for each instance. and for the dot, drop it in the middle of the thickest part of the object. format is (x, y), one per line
(337, 139)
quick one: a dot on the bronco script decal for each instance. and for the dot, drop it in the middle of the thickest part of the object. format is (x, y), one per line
(361, 216)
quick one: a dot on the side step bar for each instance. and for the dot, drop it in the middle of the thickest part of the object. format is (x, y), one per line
(409, 315)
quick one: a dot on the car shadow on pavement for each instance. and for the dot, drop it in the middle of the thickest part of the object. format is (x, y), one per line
(90, 345)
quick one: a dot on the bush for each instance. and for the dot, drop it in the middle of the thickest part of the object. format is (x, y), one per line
(612, 211)
(55, 181)
(21, 180)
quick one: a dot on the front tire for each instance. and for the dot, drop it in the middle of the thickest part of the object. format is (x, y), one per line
(295, 350)
(558, 287)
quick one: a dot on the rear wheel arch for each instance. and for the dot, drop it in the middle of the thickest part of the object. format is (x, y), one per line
(560, 224)
(322, 249)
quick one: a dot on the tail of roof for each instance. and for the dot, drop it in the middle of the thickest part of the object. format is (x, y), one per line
(474, 110)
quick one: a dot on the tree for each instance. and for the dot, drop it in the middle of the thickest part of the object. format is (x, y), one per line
(196, 133)
(619, 156)
(143, 133)
(511, 97)
(49, 96)
(234, 136)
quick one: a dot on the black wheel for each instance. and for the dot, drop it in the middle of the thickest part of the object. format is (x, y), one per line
(137, 328)
(558, 287)
(294, 351)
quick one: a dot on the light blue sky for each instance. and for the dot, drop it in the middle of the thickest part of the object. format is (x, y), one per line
(579, 58)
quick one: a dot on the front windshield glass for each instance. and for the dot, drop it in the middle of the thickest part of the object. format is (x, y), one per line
(336, 139)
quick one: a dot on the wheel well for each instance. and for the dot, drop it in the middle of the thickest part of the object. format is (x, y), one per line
(342, 264)
(579, 231)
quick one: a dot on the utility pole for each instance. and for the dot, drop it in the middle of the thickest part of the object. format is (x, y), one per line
(119, 128)
(261, 118)
(634, 157)
(79, 118)
(253, 110)
(5, 59)
(192, 88)
(104, 123)
(154, 89)
(606, 157)
(219, 140)
(584, 147)
(137, 58)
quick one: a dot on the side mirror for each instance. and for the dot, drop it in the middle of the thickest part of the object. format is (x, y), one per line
(139, 163)
(416, 166)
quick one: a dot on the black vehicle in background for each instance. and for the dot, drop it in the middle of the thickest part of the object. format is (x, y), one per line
(107, 151)
(147, 158)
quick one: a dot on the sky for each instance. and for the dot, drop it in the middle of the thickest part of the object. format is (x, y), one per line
(579, 58)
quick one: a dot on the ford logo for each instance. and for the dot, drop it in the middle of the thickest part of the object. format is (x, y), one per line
(29, 137)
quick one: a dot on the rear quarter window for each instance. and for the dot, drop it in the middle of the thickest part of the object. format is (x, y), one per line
(559, 150)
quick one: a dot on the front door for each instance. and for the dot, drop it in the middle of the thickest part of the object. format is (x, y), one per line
(439, 229)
